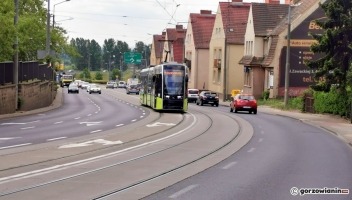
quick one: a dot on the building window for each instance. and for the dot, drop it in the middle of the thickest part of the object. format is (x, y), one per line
(247, 76)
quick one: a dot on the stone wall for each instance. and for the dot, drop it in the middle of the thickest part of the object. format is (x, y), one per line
(7, 99)
(36, 95)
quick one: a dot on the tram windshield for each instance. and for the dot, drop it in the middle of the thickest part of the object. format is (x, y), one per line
(173, 81)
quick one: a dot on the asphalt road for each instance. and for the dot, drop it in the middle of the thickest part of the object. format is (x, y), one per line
(284, 154)
(81, 114)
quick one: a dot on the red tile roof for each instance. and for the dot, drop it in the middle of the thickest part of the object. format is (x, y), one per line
(176, 37)
(202, 26)
(234, 17)
(158, 45)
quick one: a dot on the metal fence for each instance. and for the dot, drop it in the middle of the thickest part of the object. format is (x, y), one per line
(26, 71)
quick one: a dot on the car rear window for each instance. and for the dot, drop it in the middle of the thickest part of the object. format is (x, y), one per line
(193, 91)
(248, 97)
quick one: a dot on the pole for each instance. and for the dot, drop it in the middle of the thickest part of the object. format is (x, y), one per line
(15, 71)
(225, 76)
(287, 67)
(47, 47)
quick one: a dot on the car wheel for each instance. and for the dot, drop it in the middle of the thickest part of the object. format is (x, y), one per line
(235, 109)
(231, 109)
(201, 103)
(197, 103)
(90, 93)
(99, 92)
(255, 112)
(217, 105)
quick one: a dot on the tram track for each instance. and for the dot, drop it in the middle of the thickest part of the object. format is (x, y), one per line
(141, 156)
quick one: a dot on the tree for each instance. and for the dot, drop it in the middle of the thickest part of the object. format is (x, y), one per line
(7, 30)
(336, 43)
(98, 76)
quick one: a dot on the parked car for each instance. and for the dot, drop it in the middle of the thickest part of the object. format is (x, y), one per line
(73, 88)
(121, 84)
(94, 89)
(132, 89)
(192, 95)
(243, 102)
(208, 97)
(111, 84)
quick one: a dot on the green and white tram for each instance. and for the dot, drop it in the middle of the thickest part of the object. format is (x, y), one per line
(164, 87)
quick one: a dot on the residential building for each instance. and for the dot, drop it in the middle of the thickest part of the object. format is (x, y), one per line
(199, 31)
(157, 49)
(174, 44)
(226, 48)
(265, 53)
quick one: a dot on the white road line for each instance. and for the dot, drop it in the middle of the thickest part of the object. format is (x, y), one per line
(228, 166)
(251, 150)
(60, 122)
(119, 125)
(96, 131)
(183, 191)
(9, 138)
(59, 138)
(260, 140)
(25, 128)
(78, 118)
(96, 112)
(143, 113)
(89, 115)
(262, 132)
(18, 145)
(133, 120)
(141, 116)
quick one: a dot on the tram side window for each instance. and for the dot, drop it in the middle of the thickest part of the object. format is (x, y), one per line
(158, 82)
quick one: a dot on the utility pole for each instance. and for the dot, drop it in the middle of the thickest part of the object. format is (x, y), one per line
(15, 71)
(287, 67)
(48, 39)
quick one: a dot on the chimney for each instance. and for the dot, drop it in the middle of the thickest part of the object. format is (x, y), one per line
(163, 33)
(179, 26)
(205, 12)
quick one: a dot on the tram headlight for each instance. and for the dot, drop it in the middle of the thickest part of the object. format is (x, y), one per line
(167, 96)
(179, 97)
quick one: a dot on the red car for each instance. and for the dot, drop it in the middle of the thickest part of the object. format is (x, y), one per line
(243, 102)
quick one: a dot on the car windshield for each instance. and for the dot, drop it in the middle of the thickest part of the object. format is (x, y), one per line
(210, 94)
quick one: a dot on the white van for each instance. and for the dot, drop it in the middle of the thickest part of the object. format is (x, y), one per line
(192, 95)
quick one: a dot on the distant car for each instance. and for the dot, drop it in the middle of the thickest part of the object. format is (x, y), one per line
(84, 85)
(111, 84)
(121, 84)
(132, 89)
(94, 89)
(73, 88)
(208, 97)
(193, 95)
(243, 102)
(89, 86)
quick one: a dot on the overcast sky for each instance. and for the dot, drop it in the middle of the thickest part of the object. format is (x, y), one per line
(125, 20)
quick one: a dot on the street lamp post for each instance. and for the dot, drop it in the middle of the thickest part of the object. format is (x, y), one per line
(47, 45)
(287, 67)
(54, 10)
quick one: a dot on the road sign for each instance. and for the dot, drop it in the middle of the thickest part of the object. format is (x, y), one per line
(132, 58)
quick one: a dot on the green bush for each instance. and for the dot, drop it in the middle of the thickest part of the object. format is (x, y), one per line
(333, 102)
(98, 76)
(265, 95)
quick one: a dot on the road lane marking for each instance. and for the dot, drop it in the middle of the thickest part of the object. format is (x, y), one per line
(141, 116)
(91, 123)
(183, 191)
(96, 131)
(78, 118)
(59, 138)
(251, 150)
(262, 132)
(89, 115)
(9, 138)
(160, 124)
(30, 127)
(260, 140)
(228, 166)
(91, 142)
(88, 160)
(18, 145)
(133, 120)
(119, 125)
(60, 122)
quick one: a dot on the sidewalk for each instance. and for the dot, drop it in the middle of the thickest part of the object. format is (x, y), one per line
(334, 124)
